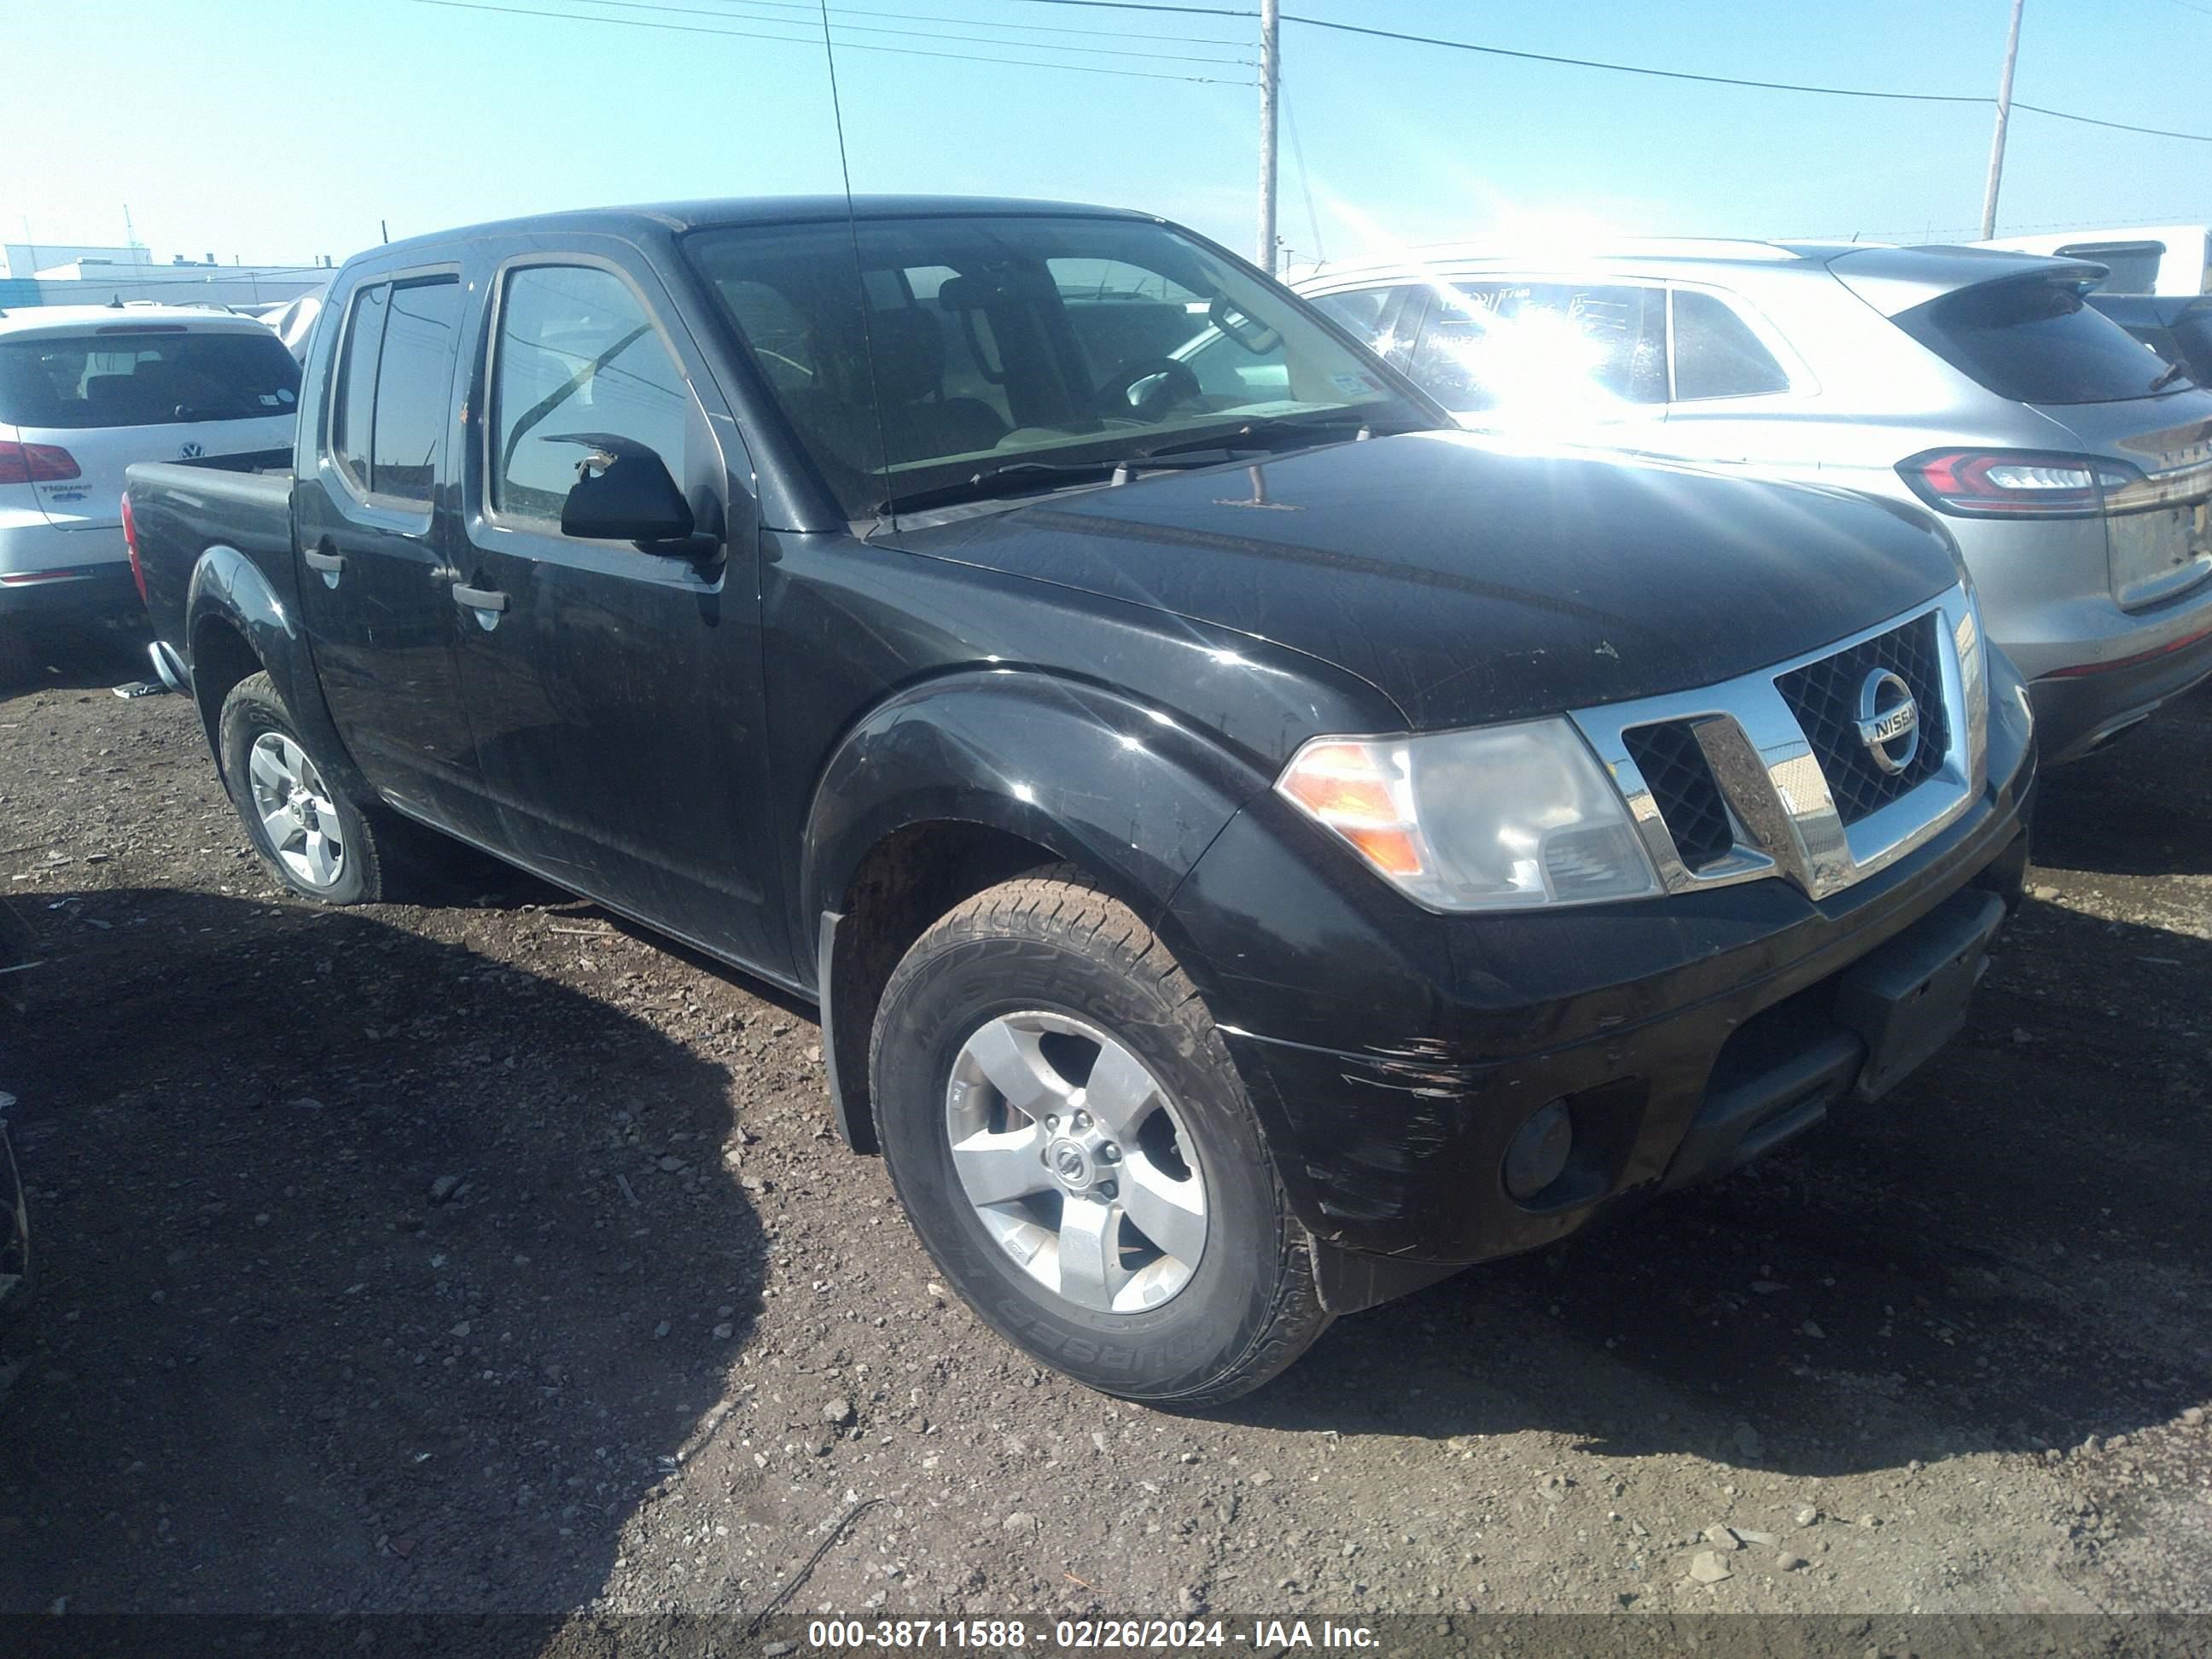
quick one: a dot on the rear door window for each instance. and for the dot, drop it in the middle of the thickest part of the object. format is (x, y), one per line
(2036, 342)
(155, 374)
(1525, 346)
(414, 380)
(394, 382)
(353, 409)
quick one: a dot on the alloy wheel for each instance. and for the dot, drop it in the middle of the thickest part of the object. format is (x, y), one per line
(1076, 1161)
(296, 811)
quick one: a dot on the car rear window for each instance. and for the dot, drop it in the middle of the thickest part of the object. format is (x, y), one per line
(2192, 334)
(2036, 342)
(154, 376)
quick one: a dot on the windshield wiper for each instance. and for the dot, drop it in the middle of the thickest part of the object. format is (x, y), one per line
(1013, 477)
(1274, 431)
(2177, 372)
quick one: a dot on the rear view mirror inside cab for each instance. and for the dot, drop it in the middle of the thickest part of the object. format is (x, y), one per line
(1255, 337)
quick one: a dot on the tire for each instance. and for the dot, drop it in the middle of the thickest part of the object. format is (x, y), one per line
(1022, 993)
(327, 849)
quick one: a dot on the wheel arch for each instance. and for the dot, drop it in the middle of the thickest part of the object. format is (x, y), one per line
(237, 626)
(954, 786)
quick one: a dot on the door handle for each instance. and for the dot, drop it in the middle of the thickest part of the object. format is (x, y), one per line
(479, 598)
(329, 563)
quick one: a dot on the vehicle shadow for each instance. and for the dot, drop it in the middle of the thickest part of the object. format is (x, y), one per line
(2137, 808)
(2007, 1253)
(84, 657)
(377, 1274)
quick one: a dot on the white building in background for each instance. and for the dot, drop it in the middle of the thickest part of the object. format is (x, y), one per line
(53, 273)
(27, 259)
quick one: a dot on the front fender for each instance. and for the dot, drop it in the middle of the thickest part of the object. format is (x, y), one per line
(228, 591)
(1126, 790)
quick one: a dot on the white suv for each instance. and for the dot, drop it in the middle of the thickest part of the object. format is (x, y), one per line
(84, 391)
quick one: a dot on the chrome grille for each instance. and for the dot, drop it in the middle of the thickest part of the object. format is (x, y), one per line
(1768, 774)
(1824, 698)
(1682, 786)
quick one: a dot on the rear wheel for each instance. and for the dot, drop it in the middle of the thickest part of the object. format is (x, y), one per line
(315, 841)
(1073, 1143)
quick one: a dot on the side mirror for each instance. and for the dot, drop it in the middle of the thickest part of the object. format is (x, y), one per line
(624, 493)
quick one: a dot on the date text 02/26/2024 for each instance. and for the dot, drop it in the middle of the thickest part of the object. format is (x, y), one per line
(1082, 1634)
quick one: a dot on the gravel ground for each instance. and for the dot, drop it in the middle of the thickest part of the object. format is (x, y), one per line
(493, 1256)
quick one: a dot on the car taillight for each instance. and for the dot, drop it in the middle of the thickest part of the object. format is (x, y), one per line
(130, 545)
(2007, 484)
(35, 464)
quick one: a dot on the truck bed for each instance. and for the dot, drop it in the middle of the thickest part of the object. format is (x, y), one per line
(180, 510)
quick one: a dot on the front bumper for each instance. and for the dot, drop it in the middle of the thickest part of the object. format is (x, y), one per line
(1393, 1056)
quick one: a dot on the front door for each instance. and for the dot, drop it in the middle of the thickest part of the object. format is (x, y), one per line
(615, 692)
(376, 580)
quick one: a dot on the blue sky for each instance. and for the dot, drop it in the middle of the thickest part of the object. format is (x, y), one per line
(281, 130)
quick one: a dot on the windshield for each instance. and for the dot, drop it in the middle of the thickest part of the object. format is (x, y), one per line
(153, 375)
(2037, 341)
(1000, 342)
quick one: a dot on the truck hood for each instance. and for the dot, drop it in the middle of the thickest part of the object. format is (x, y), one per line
(1470, 585)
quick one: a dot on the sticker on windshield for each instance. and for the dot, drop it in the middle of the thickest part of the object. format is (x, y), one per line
(271, 400)
(283, 394)
(1354, 386)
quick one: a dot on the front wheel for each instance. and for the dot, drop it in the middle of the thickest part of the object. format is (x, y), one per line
(313, 839)
(1073, 1144)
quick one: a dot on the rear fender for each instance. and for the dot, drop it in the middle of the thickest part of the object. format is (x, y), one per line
(229, 592)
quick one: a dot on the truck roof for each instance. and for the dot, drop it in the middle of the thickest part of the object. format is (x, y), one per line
(680, 216)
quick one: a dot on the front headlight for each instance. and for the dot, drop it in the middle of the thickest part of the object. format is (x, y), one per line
(1501, 817)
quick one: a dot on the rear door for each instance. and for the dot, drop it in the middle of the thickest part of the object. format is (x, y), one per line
(1727, 384)
(376, 585)
(616, 692)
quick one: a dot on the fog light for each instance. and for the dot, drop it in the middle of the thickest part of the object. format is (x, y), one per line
(1539, 1151)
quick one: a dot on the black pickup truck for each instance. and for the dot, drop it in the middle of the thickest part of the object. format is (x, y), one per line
(1254, 850)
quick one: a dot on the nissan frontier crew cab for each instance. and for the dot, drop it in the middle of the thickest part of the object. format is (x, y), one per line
(1255, 851)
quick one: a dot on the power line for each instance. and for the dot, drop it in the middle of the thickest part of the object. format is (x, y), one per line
(925, 35)
(1630, 68)
(2114, 126)
(1643, 70)
(977, 22)
(1717, 80)
(850, 45)
(1138, 5)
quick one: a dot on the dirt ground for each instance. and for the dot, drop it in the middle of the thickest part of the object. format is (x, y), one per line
(492, 1256)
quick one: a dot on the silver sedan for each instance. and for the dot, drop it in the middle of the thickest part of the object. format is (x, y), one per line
(2071, 463)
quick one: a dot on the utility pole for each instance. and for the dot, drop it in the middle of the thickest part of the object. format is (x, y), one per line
(2004, 115)
(1271, 72)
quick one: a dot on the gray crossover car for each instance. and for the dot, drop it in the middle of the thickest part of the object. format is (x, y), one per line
(2071, 463)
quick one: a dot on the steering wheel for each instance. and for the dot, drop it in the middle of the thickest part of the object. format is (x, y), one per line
(1171, 383)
